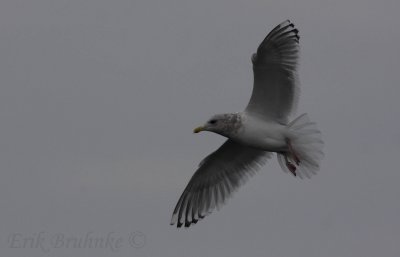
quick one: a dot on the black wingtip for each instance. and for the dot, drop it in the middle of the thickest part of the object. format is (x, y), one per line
(179, 224)
(187, 223)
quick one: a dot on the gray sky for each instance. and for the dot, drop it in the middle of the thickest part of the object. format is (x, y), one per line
(98, 100)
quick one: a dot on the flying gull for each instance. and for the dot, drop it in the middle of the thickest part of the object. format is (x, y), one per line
(256, 133)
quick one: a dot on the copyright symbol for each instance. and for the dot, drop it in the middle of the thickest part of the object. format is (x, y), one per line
(137, 239)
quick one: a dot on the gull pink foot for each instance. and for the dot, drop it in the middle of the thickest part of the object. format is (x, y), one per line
(290, 166)
(292, 152)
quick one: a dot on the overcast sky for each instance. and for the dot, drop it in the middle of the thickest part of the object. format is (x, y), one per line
(98, 100)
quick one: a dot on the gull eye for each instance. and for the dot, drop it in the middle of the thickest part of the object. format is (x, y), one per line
(212, 121)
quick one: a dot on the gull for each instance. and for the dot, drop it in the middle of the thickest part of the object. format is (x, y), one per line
(256, 133)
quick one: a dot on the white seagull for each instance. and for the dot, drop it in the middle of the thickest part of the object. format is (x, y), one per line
(254, 134)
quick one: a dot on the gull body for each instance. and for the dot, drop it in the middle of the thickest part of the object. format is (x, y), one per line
(265, 135)
(251, 131)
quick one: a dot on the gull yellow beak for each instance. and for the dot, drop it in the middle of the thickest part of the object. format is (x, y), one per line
(198, 129)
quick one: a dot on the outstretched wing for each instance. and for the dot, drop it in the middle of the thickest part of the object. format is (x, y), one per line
(217, 177)
(275, 74)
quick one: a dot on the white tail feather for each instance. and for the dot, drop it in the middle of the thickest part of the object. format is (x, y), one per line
(306, 141)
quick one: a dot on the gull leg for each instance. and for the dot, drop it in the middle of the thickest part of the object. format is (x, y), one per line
(292, 152)
(290, 166)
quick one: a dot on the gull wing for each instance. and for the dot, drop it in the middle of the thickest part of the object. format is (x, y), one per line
(218, 176)
(275, 74)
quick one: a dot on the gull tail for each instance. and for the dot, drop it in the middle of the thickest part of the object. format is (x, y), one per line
(304, 146)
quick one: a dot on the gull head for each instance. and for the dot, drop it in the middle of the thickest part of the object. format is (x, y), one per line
(223, 124)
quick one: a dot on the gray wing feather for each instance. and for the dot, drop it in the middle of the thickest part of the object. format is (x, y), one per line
(275, 74)
(218, 176)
